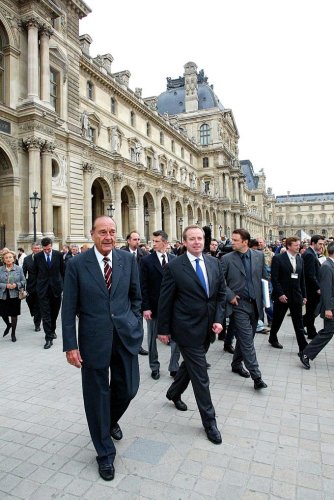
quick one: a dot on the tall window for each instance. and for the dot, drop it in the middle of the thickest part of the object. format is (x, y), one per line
(2, 70)
(90, 90)
(91, 134)
(113, 105)
(148, 129)
(54, 91)
(191, 158)
(162, 138)
(173, 145)
(182, 153)
(204, 134)
(205, 162)
(132, 119)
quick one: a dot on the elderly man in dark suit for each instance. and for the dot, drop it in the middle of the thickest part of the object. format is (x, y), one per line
(243, 270)
(102, 288)
(311, 269)
(49, 270)
(326, 309)
(30, 275)
(132, 246)
(289, 292)
(191, 311)
(151, 272)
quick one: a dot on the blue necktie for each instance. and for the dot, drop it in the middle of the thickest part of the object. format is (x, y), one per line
(48, 260)
(200, 275)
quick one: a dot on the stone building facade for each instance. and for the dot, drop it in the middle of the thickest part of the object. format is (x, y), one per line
(77, 134)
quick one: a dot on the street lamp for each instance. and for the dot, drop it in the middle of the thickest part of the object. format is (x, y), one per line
(34, 202)
(111, 210)
(147, 219)
(220, 227)
(181, 224)
(197, 223)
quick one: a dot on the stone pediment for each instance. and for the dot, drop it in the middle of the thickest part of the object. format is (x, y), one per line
(228, 115)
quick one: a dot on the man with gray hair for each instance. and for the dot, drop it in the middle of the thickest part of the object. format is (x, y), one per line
(326, 307)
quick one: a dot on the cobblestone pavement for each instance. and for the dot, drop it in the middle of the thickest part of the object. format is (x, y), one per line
(277, 443)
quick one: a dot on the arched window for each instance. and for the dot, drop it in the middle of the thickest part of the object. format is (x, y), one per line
(90, 90)
(113, 105)
(204, 134)
(2, 69)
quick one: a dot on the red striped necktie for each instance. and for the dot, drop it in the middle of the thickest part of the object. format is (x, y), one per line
(107, 272)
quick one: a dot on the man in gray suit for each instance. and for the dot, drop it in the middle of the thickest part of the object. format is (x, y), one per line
(102, 288)
(326, 307)
(243, 269)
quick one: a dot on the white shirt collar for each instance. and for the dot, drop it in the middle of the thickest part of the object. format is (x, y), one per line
(100, 257)
(192, 257)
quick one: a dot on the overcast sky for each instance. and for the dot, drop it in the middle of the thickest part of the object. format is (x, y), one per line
(271, 62)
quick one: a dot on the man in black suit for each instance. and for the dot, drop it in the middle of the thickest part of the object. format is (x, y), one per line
(289, 292)
(30, 275)
(326, 309)
(311, 269)
(191, 312)
(133, 242)
(243, 270)
(102, 288)
(49, 269)
(151, 272)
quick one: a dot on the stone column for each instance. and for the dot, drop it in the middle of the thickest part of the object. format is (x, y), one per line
(242, 192)
(33, 145)
(236, 189)
(140, 209)
(46, 193)
(88, 169)
(227, 185)
(185, 212)
(158, 216)
(32, 27)
(229, 227)
(173, 218)
(118, 177)
(45, 64)
(221, 185)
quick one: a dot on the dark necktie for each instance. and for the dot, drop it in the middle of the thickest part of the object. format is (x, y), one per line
(107, 272)
(249, 288)
(48, 260)
(200, 275)
(163, 262)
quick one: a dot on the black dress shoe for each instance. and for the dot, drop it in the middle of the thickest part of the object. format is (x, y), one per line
(48, 344)
(8, 327)
(275, 343)
(107, 471)
(241, 371)
(143, 352)
(179, 404)
(172, 374)
(116, 432)
(259, 384)
(229, 348)
(155, 374)
(311, 336)
(305, 360)
(13, 337)
(37, 328)
(213, 434)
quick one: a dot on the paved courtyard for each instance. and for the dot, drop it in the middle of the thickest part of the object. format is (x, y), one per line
(277, 443)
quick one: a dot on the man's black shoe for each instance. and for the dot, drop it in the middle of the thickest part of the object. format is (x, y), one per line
(229, 348)
(305, 360)
(116, 432)
(311, 336)
(8, 327)
(241, 371)
(259, 384)
(143, 352)
(213, 434)
(37, 328)
(275, 343)
(179, 404)
(107, 471)
(172, 374)
(208, 365)
(48, 344)
(155, 374)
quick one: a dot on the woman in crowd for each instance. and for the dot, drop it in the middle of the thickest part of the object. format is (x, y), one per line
(11, 281)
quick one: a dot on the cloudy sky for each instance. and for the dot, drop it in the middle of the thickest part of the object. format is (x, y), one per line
(271, 62)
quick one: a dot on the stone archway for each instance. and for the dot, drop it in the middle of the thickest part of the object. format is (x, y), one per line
(101, 197)
(165, 216)
(10, 206)
(149, 215)
(128, 209)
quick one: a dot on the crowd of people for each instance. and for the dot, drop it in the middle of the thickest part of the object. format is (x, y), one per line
(189, 294)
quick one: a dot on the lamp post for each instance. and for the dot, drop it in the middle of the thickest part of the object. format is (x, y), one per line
(111, 210)
(147, 219)
(181, 225)
(197, 223)
(220, 227)
(34, 202)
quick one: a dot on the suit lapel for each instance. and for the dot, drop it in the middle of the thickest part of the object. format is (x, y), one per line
(209, 272)
(116, 271)
(287, 261)
(188, 269)
(238, 263)
(156, 263)
(94, 270)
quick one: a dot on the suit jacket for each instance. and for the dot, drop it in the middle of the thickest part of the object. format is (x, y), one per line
(311, 270)
(140, 253)
(15, 276)
(49, 278)
(100, 312)
(235, 276)
(185, 311)
(30, 271)
(283, 284)
(326, 278)
(151, 274)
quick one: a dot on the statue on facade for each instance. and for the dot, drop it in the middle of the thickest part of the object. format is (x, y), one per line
(202, 186)
(156, 162)
(192, 180)
(115, 141)
(138, 150)
(84, 121)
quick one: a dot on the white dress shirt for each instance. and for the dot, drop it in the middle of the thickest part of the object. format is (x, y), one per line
(192, 259)
(159, 254)
(100, 260)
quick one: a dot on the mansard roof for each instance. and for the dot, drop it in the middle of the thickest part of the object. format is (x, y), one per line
(252, 180)
(299, 198)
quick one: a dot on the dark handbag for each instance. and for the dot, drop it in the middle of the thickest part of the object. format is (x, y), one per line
(23, 294)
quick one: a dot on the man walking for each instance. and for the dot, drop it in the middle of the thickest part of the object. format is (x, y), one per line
(102, 288)
(289, 292)
(311, 269)
(191, 312)
(49, 269)
(243, 271)
(151, 272)
(29, 271)
(326, 307)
